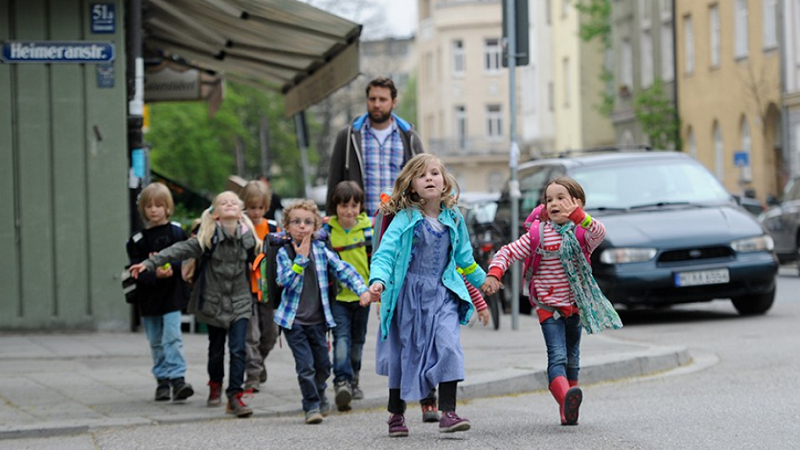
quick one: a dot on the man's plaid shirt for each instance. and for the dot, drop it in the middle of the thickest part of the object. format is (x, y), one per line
(290, 276)
(382, 164)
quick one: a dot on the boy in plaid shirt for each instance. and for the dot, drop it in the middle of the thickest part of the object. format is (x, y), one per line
(304, 313)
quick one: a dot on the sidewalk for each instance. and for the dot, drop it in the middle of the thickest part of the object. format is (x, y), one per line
(67, 383)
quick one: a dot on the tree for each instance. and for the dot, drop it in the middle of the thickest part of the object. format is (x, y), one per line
(197, 150)
(656, 114)
(596, 24)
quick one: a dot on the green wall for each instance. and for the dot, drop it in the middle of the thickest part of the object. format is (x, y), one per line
(64, 213)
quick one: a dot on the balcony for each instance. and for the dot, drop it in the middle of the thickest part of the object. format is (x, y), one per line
(470, 146)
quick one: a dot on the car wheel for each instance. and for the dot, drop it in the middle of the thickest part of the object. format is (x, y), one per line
(751, 305)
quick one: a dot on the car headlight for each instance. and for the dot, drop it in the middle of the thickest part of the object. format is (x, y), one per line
(626, 255)
(762, 243)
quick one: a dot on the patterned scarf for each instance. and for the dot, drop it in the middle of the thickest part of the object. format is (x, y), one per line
(595, 310)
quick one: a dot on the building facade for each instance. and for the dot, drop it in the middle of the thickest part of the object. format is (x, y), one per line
(577, 85)
(463, 93)
(537, 119)
(728, 82)
(790, 15)
(643, 52)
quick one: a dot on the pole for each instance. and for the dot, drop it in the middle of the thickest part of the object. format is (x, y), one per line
(513, 157)
(302, 142)
(264, 137)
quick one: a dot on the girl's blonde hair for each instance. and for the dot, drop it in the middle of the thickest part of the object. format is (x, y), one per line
(208, 222)
(402, 196)
(306, 204)
(155, 193)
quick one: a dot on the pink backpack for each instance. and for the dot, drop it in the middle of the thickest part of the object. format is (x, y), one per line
(534, 226)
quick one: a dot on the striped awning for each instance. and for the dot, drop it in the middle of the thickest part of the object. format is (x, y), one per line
(284, 45)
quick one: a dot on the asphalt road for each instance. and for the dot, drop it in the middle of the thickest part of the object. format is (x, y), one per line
(739, 393)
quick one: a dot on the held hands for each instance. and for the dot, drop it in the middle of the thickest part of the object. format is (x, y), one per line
(490, 286)
(304, 247)
(364, 299)
(136, 269)
(375, 291)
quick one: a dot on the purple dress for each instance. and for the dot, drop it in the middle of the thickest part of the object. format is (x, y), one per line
(423, 346)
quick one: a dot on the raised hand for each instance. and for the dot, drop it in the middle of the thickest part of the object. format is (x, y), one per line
(569, 205)
(304, 246)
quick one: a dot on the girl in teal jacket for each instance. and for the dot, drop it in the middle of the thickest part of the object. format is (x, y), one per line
(423, 298)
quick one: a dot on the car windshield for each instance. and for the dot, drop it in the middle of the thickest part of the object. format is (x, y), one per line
(647, 184)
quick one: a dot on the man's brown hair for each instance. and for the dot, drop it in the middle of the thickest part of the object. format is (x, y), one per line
(383, 82)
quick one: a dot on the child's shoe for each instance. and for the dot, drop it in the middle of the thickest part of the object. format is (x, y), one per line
(450, 423)
(358, 394)
(236, 406)
(397, 426)
(314, 416)
(252, 386)
(214, 394)
(572, 403)
(181, 390)
(343, 395)
(429, 413)
(162, 391)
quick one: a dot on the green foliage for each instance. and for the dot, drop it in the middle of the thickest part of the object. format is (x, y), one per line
(198, 151)
(596, 23)
(656, 114)
(407, 106)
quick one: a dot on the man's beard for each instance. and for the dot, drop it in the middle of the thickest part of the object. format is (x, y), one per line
(379, 117)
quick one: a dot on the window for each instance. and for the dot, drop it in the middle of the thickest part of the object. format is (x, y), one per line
(691, 143)
(713, 27)
(646, 55)
(740, 29)
(567, 81)
(494, 121)
(459, 64)
(428, 64)
(665, 7)
(626, 64)
(688, 37)
(644, 13)
(719, 154)
(461, 126)
(492, 54)
(770, 26)
(747, 144)
(548, 10)
(667, 52)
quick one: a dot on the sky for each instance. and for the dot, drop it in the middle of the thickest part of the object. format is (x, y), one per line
(401, 15)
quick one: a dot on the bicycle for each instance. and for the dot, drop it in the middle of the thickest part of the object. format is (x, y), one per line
(486, 242)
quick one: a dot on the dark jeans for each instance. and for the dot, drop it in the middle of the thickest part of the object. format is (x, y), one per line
(563, 340)
(311, 361)
(349, 336)
(236, 334)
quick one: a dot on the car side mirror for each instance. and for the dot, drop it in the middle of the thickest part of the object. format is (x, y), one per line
(771, 200)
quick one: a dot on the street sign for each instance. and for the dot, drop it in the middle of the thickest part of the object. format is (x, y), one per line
(741, 159)
(104, 18)
(57, 52)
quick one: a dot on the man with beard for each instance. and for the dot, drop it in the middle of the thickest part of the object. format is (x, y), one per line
(374, 147)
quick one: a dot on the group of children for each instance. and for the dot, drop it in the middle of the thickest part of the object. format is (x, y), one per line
(422, 272)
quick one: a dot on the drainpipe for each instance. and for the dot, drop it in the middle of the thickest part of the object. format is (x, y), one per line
(786, 149)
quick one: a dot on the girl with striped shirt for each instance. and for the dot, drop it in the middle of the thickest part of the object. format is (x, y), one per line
(561, 282)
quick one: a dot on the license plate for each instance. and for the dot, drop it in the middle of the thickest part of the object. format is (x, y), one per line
(701, 277)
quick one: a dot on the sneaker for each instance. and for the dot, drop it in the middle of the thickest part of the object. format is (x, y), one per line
(429, 413)
(343, 395)
(162, 391)
(324, 406)
(181, 390)
(450, 423)
(252, 386)
(358, 394)
(397, 426)
(262, 377)
(214, 394)
(313, 417)
(572, 403)
(238, 407)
